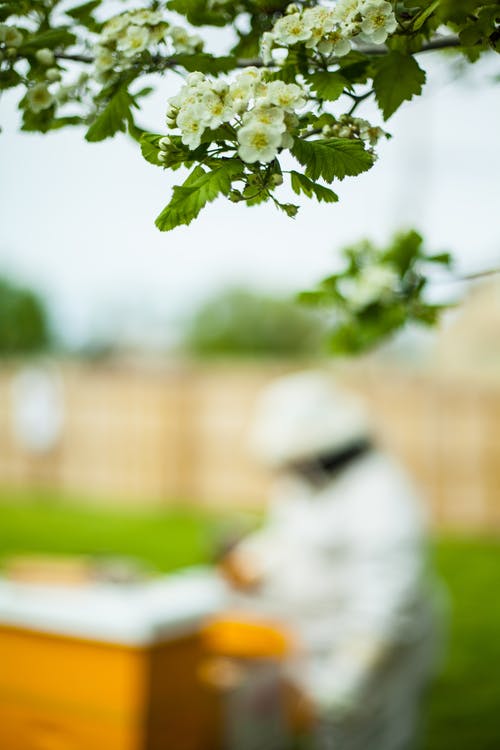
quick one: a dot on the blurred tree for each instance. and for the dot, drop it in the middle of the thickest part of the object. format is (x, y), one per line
(240, 322)
(24, 325)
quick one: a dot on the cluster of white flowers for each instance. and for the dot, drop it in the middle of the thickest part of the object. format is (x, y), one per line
(373, 283)
(128, 35)
(262, 113)
(331, 29)
(354, 127)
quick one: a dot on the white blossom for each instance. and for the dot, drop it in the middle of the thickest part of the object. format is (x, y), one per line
(266, 47)
(217, 109)
(183, 41)
(10, 36)
(289, 96)
(262, 113)
(291, 29)
(190, 122)
(39, 97)
(348, 12)
(134, 41)
(374, 282)
(103, 60)
(378, 22)
(258, 142)
(272, 117)
(129, 34)
(331, 29)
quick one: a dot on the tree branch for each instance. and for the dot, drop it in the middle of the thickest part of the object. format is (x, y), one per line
(441, 42)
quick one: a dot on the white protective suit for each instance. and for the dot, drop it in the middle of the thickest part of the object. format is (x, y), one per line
(342, 562)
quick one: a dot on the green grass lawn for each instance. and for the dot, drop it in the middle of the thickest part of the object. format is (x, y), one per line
(464, 705)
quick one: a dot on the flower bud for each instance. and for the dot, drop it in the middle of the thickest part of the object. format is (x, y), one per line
(164, 143)
(161, 156)
(292, 8)
(45, 56)
(53, 74)
(277, 179)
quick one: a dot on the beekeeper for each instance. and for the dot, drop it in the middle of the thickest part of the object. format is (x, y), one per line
(341, 561)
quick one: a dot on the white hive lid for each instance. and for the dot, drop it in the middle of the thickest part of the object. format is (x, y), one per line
(130, 614)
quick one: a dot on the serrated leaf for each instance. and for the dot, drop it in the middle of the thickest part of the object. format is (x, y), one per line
(113, 118)
(328, 86)
(302, 184)
(398, 78)
(332, 158)
(199, 189)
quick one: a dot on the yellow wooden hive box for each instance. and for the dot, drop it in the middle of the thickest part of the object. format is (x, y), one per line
(106, 667)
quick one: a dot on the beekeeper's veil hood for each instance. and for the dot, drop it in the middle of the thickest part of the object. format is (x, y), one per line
(303, 416)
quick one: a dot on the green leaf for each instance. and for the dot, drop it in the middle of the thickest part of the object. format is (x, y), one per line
(202, 62)
(397, 79)
(83, 14)
(332, 158)
(9, 78)
(290, 209)
(422, 17)
(199, 189)
(150, 148)
(64, 122)
(51, 39)
(83, 11)
(198, 13)
(443, 259)
(328, 86)
(113, 118)
(302, 184)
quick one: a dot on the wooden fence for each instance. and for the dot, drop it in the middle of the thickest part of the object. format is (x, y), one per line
(177, 433)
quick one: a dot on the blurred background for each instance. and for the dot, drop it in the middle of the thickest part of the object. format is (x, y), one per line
(130, 361)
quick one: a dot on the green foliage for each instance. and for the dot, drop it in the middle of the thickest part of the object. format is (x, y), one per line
(302, 184)
(329, 86)
(333, 158)
(51, 62)
(397, 78)
(205, 63)
(24, 326)
(115, 113)
(379, 291)
(240, 322)
(198, 189)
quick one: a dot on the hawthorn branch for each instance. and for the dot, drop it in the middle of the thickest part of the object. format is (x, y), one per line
(440, 42)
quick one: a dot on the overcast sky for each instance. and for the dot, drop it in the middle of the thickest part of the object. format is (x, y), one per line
(77, 219)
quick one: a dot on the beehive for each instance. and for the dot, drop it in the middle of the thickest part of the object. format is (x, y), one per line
(76, 675)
